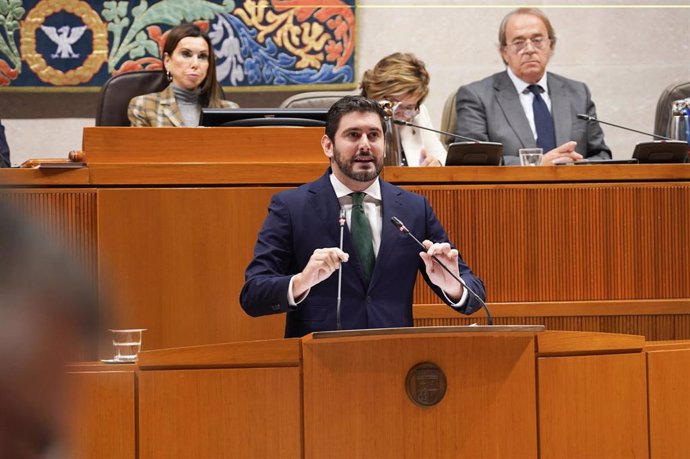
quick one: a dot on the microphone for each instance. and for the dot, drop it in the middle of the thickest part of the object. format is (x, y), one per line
(341, 222)
(457, 136)
(403, 229)
(591, 118)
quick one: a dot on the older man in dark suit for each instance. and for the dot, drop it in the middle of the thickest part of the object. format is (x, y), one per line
(298, 246)
(525, 106)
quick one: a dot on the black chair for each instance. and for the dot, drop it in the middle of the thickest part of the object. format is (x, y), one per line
(449, 118)
(315, 99)
(120, 89)
(662, 119)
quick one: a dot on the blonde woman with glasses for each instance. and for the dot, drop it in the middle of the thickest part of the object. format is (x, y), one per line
(401, 78)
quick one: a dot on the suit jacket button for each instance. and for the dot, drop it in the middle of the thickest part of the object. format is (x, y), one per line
(276, 307)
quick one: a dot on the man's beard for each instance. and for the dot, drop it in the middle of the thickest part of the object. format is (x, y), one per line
(347, 167)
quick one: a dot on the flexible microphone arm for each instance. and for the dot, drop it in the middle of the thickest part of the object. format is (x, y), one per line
(457, 136)
(403, 229)
(591, 118)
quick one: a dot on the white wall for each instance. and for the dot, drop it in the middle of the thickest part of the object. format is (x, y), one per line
(43, 138)
(627, 52)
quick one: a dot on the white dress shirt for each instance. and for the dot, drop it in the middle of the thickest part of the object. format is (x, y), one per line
(372, 207)
(527, 97)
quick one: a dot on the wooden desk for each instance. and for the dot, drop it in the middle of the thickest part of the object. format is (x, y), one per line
(598, 248)
(668, 368)
(510, 393)
(103, 409)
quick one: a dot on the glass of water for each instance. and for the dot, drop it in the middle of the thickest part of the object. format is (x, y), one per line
(127, 344)
(531, 156)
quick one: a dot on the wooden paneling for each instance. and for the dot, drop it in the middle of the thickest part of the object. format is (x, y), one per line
(267, 353)
(593, 406)
(669, 399)
(249, 174)
(355, 403)
(67, 214)
(666, 324)
(591, 238)
(588, 389)
(512, 174)
(218, 145)
(177, 257)
(232, 413)
(103, 409)
(565, 243)
(43, 177)
(553, 343)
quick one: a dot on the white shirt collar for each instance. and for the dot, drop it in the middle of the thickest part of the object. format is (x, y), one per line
(521, 86)
(374, 190)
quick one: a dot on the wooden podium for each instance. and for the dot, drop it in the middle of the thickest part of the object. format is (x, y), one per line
(509, 392)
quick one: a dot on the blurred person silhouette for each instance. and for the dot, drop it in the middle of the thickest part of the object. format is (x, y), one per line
(48, 315)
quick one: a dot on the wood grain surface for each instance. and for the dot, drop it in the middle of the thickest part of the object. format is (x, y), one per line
(355, 401)
(593, 406)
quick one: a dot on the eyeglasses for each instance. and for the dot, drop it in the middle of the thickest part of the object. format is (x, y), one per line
(406, 112)
(538, 43)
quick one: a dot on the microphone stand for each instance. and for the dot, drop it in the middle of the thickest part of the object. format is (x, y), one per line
(341, 221)
(457, 136)
(591, 118)
(399, 224)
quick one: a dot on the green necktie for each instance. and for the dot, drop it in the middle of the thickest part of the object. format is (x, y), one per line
(361, 235)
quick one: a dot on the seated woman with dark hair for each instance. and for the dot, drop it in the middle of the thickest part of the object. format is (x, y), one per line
(190, 66)
(401, 78)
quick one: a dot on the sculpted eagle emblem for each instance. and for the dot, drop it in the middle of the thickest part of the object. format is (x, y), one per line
(64, 38)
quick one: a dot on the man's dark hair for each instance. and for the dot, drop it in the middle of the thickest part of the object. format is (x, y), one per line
(347, 105)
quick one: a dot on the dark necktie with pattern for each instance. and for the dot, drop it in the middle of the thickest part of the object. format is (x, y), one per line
(543, 121)
(361, 235)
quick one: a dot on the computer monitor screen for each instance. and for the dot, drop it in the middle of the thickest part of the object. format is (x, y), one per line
(661, 151)
(243, 117)
(474, 154)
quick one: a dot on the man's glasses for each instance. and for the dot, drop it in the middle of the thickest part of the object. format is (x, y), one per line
(538, 43)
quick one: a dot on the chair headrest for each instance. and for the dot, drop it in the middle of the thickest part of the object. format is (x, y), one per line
(120, 89)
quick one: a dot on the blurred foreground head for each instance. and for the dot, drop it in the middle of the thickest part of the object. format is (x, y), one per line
(48, 314)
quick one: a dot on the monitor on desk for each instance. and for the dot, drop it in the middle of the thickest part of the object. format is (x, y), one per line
(661, 151)
(249, 117)
(474, 154)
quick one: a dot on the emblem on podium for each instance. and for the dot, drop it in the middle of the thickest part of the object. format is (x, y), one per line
(426, 384)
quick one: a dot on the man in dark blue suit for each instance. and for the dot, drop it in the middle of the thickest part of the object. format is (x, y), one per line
(297, 251)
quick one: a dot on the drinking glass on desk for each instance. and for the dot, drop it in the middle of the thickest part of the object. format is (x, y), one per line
(127, 344)
(531, 156)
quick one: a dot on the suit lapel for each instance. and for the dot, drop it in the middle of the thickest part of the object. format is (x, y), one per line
(323, 201)
(170, 109)
(560, 110)
(509, 101)
(392, 207)
(325, 204)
